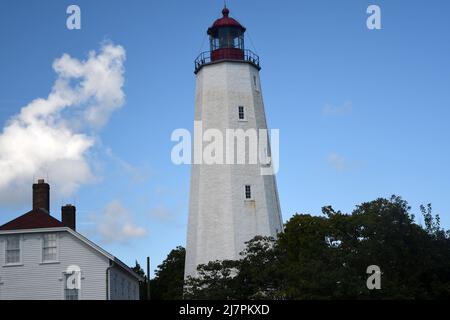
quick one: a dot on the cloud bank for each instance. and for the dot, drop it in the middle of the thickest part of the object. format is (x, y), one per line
(51, 137)
(115, 224)
(161, 213)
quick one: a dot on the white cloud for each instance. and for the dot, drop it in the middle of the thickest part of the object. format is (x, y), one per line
(167, 216)
(115, 224)
(136, 175)
(337, 162)
(51, 137)
(161, 213)
(330, 110)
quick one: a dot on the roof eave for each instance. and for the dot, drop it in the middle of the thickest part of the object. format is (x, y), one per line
(35, 230)
(81, 238)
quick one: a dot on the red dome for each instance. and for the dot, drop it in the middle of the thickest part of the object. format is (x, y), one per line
(225, 21)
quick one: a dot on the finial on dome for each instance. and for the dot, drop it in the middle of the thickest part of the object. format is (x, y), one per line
(225, 11)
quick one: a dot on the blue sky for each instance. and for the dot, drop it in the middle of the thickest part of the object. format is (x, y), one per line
(362, 114)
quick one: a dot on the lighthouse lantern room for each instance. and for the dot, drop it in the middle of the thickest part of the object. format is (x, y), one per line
(226, 39)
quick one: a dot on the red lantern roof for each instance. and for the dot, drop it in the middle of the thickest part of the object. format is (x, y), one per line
(225, 21)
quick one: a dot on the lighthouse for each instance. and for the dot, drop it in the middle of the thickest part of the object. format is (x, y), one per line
(230, 202)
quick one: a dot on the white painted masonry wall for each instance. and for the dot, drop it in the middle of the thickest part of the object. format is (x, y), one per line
(221, 220)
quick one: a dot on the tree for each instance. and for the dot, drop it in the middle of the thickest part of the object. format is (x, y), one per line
(138, 269)
(169, 277)
(326, 257)
(255, 276)
(259, 274)
(215, 281)
(142, 284)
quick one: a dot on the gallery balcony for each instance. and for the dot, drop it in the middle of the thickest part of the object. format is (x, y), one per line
(226, 54)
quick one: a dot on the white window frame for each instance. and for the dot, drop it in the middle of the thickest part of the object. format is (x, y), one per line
(43, 261)
(19, 263)
(64, 280)
(244, 111)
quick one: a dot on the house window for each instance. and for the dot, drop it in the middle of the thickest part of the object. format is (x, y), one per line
(248, 192)
(49, 247)
(69, 293)
(241, 113)
(13, 250)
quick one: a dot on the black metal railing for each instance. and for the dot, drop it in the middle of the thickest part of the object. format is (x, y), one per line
(206, 57)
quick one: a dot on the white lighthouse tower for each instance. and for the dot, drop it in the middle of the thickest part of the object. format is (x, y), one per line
(229, 203)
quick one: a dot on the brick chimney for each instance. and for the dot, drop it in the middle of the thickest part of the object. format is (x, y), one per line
(41, 195)
(68, 216)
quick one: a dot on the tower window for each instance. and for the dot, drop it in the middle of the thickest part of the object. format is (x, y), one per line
(255, 83)
(248, 192)
(241, 113)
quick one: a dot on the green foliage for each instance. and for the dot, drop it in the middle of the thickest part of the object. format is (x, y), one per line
(217, 277)
(250, 277)
(169, 277)
(142, 284)
(326, 257)
(138, 269)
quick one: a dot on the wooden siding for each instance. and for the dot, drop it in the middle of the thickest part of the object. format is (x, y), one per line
(34, 280)
(122, 285)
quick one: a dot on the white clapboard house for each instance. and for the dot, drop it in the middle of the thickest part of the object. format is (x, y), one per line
(42, 258)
